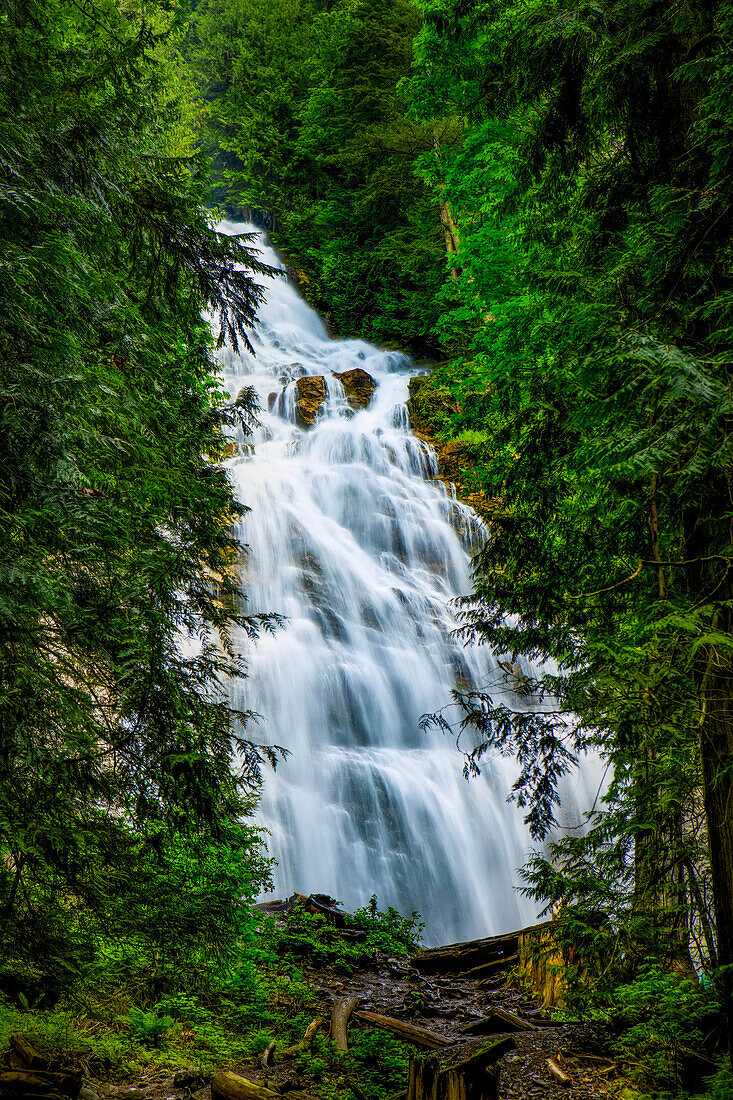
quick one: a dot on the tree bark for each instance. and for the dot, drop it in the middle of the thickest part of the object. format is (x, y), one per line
(711, 579)
(716, 753)
(468, 1073)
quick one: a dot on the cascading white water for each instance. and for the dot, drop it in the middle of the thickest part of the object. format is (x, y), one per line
(350, 540)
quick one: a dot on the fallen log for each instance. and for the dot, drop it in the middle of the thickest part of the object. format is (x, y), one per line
(310, 1034)
(512, 1020)
(305, 1043)
(34, 1096)
(411, 1033)
(560, 1076)
(497, 1022)
(542, 1021)
(231, 1086)
(468, 1072)
(459, 956)
(340, 1021)
(39, 1083)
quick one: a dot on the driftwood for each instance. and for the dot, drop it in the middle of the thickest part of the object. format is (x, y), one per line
(560, 1076)
(39, 1083)
(411, 1033)
(310, 1034)
(266, 1056)
(340, 1021)
(230, 1086)
(469, 1072)
(498, 1022)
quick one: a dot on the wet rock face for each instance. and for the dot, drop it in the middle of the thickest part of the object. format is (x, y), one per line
(311, 396)
(358, 385)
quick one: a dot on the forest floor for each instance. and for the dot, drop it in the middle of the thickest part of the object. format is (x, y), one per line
(446, 1005)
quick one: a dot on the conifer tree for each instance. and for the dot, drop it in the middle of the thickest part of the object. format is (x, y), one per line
(590, 311)
(117, 589)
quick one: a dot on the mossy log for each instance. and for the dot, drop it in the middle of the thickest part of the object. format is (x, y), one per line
(27, 1053)
(231, 1086)
(304, 1044)
(467, 1072)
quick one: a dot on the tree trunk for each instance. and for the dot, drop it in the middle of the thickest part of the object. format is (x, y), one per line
(711, 579)
(469, 1073)
(716, 752)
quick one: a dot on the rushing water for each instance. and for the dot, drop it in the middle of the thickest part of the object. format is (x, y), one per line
(350, 540)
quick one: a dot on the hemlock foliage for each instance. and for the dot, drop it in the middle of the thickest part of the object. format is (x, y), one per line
(119, 787)
(588, 321)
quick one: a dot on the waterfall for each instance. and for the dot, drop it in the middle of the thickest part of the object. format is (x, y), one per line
(350, 539)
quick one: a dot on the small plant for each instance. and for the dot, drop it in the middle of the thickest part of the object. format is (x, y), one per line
(379, 1063)
(389, 932)
(659, 1014)
(148, 1027)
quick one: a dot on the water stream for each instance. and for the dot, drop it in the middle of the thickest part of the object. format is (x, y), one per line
(352, 541)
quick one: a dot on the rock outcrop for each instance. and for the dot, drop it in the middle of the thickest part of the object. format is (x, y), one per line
(311, 394)
(359, 387)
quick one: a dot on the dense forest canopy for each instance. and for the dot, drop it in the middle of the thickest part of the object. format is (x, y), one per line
(539, 196)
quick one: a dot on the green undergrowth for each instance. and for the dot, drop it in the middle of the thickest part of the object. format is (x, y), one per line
(128, 1016)
(310, 937)
(375, 1067)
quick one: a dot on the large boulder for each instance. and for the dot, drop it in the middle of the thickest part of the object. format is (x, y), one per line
(311, 395)
(358, 386)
